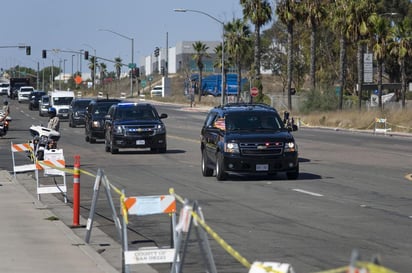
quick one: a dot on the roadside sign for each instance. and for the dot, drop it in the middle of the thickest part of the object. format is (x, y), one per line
(150, 256)
(78, 79)
(143, 83)
(254, 91)
(132, 65)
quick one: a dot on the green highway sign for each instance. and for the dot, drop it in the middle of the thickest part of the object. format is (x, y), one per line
(132, 65)
(143, 83)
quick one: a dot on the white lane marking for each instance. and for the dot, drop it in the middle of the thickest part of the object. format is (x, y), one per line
(308, 192)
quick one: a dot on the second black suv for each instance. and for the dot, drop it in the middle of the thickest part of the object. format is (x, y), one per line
(134, 125)
(77, 111)
(94, 118)
(247, 138)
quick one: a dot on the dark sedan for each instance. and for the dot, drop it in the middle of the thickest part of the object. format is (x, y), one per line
(34, 99)
(77, 111)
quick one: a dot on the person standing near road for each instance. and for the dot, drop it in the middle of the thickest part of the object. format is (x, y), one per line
(5, 110)
(54, 121)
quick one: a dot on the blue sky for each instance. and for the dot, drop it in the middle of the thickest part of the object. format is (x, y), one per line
(75, 24)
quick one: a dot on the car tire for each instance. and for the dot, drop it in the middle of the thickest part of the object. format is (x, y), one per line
(294, 174)
(87, 138)
(92, 140)
(220, 173)
(206, 171)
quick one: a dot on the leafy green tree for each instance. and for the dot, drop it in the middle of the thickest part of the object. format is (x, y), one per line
(259, 12)
(200, 53)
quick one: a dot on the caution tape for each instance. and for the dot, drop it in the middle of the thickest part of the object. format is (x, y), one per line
(214, 235)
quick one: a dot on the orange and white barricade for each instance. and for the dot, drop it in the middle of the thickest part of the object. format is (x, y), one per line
(381, 126)
(149, 205)
(25, 148)
(53, 165)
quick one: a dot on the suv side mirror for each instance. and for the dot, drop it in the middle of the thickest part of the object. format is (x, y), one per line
(163, 115)
(107, 117)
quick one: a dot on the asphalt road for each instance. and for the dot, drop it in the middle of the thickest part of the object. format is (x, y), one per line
(352, 193)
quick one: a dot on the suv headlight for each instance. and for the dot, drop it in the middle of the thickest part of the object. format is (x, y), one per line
(290, 147)
(160, 129)
(96, 124)
(119, 130)
(232, 147)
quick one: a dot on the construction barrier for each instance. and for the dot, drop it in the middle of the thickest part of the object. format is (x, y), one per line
(53, 165)
(381, 126)
(27, 149)
(122, 95)
(149, 205)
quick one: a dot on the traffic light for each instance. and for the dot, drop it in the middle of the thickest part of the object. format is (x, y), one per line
(157, 51)
(137, 72)
(28, 50)
(44, 54)
(86, 55)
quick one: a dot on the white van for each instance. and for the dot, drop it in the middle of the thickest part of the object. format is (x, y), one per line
(157, 91)
(24, 93)
(61, 100)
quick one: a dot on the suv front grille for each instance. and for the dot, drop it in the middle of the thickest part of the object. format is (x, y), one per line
(261, 148)
(143, 130)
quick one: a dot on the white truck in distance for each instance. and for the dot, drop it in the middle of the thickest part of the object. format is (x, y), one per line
(61, 100)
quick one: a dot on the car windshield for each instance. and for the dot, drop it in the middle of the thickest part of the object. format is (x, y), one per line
(252, 121)
(62, 100)
(101, 109)
(135, 113)
(45, 99)
(81, 104)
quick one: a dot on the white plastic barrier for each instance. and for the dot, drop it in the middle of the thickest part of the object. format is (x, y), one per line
(22, 148)
(122, 95)
(52, 165)
(149, 205)
(381, 126)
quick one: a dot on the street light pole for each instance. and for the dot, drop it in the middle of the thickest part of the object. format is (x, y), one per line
(132, 63)
(223, 93)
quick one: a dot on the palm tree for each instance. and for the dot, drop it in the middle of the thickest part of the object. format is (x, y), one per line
(93, 68)
(237, 43)
(103, 71)
(287, 12)
(118, 66)
(401, 47)
(314, 11)
(201, 52)
(357, 27)
(218, 63)
(380, 30)
(259, 12)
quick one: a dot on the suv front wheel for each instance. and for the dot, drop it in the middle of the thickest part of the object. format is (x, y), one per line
(220, 173)
(206, 171)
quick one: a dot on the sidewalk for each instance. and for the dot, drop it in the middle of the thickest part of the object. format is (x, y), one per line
(32, 242)
(37, 236)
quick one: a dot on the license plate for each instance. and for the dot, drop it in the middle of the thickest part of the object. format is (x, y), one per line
(140, 142)
(262, 167)
(65, 115)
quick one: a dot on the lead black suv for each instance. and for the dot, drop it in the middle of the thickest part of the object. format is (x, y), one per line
(134, 125)
(247, 138)
(94, 118)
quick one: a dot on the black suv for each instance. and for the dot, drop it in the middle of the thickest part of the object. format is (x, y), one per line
(77, 111)
(247, 138)
(34, 99)
(94, 118)
(134, 125)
